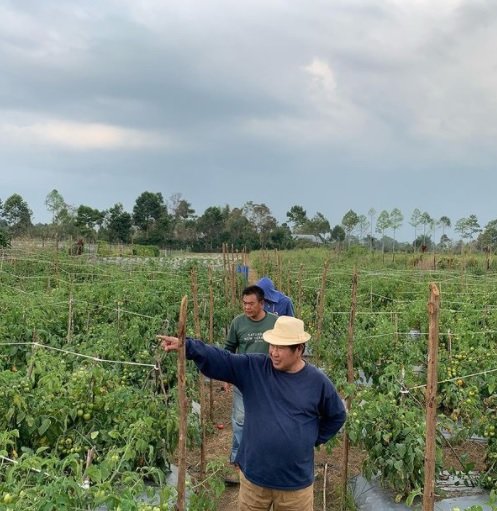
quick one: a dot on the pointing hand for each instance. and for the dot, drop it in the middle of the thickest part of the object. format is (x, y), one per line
(168, 343)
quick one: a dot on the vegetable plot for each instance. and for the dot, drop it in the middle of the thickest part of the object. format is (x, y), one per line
(387, 413)
(88, 411)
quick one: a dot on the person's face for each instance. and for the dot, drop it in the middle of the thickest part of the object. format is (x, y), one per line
(284, 358)
(252, 307)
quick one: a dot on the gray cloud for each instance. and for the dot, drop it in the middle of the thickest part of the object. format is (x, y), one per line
(332, 105)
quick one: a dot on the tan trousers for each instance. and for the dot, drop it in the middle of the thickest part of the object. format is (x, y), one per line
(257, 498)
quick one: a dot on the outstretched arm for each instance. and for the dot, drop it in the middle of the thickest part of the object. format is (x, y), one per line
(213, 362)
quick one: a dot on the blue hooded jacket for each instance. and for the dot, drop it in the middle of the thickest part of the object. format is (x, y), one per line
(275, 301)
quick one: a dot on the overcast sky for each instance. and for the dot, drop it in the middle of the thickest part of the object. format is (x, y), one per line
(332, 105)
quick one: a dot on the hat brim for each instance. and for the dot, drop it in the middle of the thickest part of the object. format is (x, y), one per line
(273, 338)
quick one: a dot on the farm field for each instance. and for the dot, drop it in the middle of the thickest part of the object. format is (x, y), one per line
(89, 412)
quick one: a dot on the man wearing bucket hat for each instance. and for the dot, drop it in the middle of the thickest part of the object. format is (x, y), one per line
(275, 301)
(291, 407)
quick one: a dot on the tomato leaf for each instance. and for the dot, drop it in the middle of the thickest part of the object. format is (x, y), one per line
(45, 424)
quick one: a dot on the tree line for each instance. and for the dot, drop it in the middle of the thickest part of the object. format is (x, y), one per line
(173, 223)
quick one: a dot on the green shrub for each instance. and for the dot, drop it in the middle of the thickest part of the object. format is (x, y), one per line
(146, 251)
(4, 239)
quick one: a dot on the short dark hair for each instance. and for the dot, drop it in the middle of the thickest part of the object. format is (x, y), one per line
(294, 347)
(254, 290)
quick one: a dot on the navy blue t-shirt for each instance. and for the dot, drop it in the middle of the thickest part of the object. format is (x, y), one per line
(286, 414)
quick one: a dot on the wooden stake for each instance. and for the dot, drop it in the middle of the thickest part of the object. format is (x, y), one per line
(225, 272)
(431, 400)
(69, 320)
(118, 316)
(233, 283)
(280, 268)
(325, 479)
(211, 340)
(33, 353)
(183, 406)
(300, 291)
(350, 380)
(395, 328)
(194, 287)
(322, 297)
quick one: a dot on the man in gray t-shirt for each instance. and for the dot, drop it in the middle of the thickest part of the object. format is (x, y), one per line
(245, 336)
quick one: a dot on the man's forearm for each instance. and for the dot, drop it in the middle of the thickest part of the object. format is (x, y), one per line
(213, 362)
(328, 428)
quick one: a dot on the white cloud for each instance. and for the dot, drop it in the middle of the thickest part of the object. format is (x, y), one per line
(322, 76)
(326, 116)
(80, 136)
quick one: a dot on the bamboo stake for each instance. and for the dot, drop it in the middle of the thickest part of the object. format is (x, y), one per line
(33, 356)
(322, 297)
(225, 272)
(325, 479)
(243, 281)
(396, 328)
(69, 320)
(211, 340)
(300, 291)
(90, 455)
(371, 296)
(118, 316)
(280, 269)
(350, 380)
(194, 287)
(233, 275)
(233, 284)
(431, 400)
(183, 406)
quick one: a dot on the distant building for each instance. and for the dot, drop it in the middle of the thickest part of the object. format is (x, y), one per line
(309, 238)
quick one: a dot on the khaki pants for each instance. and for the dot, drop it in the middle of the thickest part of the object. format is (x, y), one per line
(257, 498)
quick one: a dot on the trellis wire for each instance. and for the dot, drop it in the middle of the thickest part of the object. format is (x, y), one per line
(81, 355)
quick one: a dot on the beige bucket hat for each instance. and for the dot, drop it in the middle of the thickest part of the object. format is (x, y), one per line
(287, 331)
